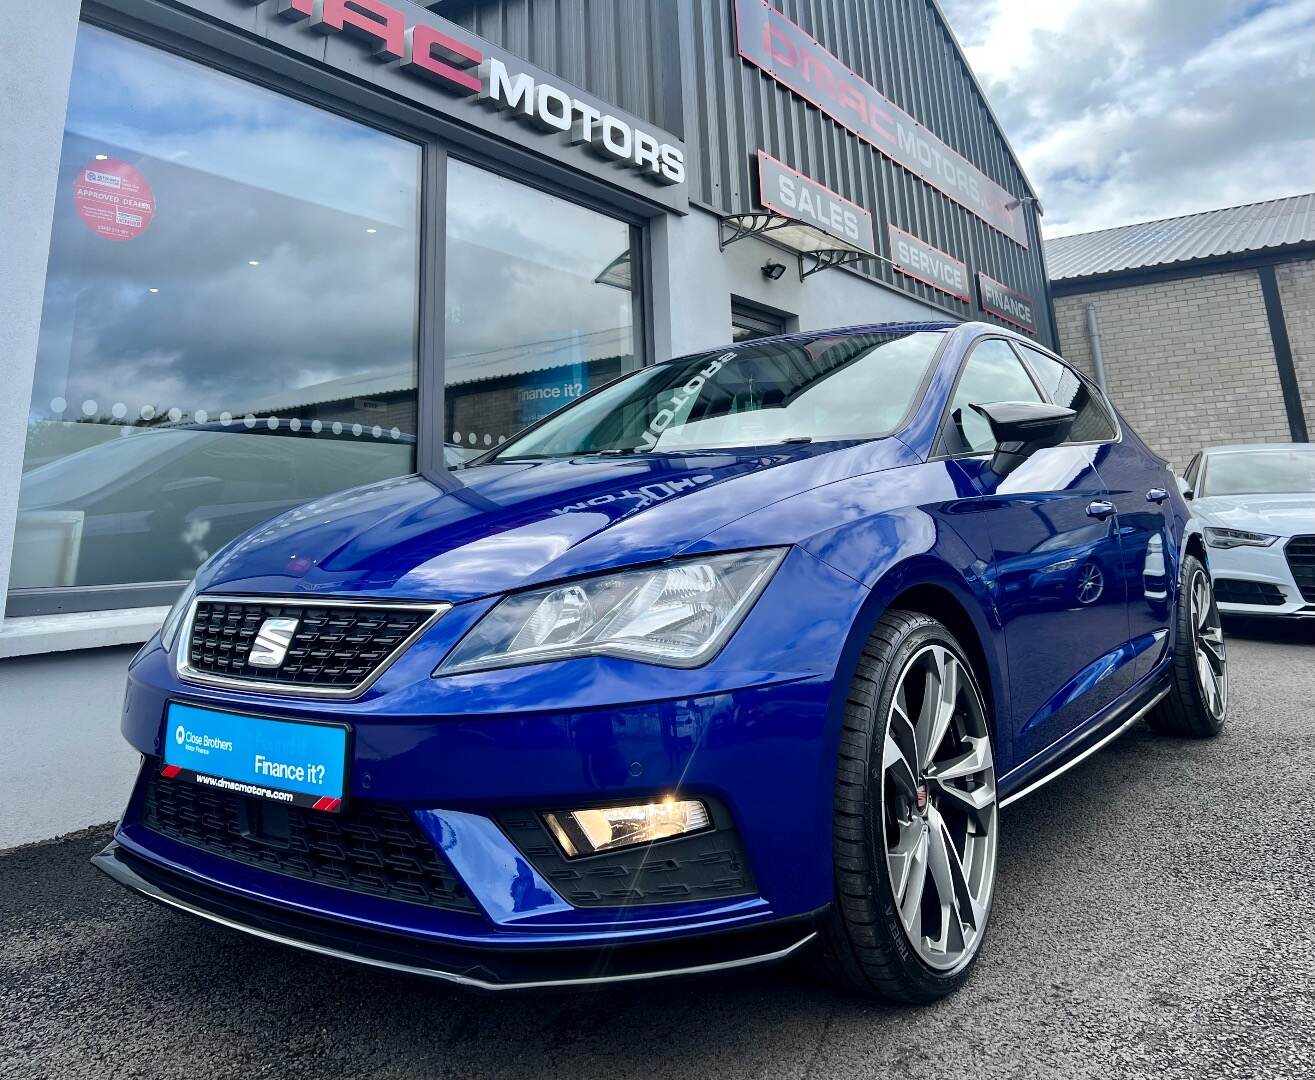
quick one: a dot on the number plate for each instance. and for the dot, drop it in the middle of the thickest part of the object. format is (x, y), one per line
(285, 761)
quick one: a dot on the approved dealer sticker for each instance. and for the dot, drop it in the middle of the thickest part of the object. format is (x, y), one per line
(114, 199)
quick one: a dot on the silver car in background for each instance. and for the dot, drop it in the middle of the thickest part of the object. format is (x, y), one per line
(1257, 504)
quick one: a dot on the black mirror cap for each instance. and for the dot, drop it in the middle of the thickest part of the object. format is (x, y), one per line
(1021, 428)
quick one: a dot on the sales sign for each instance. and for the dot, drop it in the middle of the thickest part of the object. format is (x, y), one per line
(1006, 303)
(793, 58)
(794, 195)
(918, 259)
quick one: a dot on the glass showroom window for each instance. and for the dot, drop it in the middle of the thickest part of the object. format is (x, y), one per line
(230, 318)
(540, 306)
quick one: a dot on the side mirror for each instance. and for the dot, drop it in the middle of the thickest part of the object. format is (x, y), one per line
(1184, 488)
(1021, 428)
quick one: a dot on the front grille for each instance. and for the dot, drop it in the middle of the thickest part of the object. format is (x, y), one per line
(1237, 591)
(1301, 561)
(369, 848)
(335, 647)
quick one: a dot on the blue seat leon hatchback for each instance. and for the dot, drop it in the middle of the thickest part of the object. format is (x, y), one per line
(734, 659)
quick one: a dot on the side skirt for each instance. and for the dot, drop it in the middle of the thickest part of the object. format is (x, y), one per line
(1120, 726)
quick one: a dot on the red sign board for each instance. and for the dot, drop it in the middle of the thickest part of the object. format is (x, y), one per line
(1006, 303)
(793, 58)
(792, 194)
(918, 259)
(114, 200)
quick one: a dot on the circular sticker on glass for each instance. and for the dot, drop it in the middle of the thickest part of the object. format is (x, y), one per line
(114, 200)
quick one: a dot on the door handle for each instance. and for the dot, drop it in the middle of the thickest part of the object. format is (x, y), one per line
(1100, 509)
(1156, 495)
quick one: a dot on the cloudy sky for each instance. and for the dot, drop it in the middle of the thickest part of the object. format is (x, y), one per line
(1130, 110)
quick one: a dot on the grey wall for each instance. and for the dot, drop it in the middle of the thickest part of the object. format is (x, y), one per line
(34, 86)
(64, 765)
(624, 51)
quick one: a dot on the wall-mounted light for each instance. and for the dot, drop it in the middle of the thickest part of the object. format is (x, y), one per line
(1014, 204)
(773, 270)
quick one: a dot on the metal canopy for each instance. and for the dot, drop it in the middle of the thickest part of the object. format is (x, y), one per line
(815, 249)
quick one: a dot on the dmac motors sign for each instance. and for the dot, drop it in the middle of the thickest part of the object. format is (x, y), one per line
(796, 60)
(412, 53)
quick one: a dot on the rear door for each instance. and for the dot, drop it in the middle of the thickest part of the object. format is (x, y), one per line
(1055, 571)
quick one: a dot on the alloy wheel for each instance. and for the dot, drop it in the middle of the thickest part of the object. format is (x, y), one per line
(1208, 645)
(1091, 583)
(939, 808)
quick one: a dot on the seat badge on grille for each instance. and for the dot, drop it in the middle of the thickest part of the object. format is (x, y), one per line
(272, 641)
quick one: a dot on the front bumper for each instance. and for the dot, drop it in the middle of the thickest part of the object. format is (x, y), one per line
(1258, 582)
(474, 760)
(521, 969)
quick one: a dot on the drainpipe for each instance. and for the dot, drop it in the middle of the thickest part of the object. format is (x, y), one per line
(1097, 357)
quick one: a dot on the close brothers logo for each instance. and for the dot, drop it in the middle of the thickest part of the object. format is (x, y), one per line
(425, 52)
(180, 734)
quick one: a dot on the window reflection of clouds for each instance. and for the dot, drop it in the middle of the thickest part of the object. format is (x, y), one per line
(538, 308)
(327, 298)
(274, 295)
(171, 109)
(529, 260)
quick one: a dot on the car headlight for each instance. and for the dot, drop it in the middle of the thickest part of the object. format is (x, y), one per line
(677, 614)
(1231, 538)
(172, 621)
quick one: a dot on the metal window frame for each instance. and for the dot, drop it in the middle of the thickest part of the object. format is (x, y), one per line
(764, 321)
(187, 35)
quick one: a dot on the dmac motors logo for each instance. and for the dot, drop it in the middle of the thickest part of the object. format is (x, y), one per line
(426, 52)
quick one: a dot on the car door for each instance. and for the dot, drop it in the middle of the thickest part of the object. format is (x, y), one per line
(1138, 484)
(1055, 552)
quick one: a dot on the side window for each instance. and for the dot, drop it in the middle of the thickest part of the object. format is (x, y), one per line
(992, 373)
(1192, 470)
(1067, 388)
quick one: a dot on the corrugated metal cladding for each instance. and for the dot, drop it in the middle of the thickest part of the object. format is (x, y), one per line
(627, 52)
(623, 51)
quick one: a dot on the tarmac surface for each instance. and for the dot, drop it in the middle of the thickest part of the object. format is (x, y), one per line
(1153, 918)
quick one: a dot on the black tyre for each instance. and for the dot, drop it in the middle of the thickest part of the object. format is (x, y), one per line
(915, 826)
(1197, 703)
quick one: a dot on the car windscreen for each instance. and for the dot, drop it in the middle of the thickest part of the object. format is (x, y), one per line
(826, 388)
(1259, 472)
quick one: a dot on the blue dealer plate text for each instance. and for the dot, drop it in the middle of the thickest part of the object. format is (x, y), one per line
(257, 755)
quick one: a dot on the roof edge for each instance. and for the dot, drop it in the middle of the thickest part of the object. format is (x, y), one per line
(1223, 263)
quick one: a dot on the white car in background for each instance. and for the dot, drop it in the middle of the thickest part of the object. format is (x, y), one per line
(1257, 504)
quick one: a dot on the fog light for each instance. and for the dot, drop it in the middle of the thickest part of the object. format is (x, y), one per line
(588, 832)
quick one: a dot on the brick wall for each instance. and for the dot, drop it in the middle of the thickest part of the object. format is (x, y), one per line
(1296, 289)
(1190, 363)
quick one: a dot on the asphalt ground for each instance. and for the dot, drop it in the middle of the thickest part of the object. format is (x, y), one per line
(1154, 918)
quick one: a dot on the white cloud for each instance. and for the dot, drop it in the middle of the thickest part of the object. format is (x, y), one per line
(1129, 110)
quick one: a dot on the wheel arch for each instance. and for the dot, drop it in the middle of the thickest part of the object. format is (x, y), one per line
(963, 603)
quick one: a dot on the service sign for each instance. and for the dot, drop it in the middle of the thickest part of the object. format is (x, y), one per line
(792, 194)
(795, 59)
(918, 259)
(418, 56)
(1006, 303)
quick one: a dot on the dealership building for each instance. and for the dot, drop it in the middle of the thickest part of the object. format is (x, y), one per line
(261, 250)
(1201, 328)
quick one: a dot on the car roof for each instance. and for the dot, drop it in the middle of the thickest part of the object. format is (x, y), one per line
(1249, 447)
